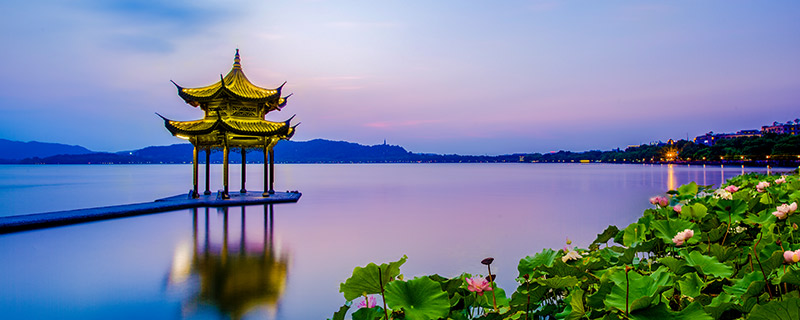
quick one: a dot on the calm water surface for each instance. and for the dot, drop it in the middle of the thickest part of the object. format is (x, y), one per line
(286, 261)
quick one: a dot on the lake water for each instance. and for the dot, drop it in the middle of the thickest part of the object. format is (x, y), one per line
(286, 261)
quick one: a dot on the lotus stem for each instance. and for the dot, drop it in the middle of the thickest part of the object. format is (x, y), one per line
(491, 281)
(727, 230)
(766, 283)
(627, 290)
(383, 297)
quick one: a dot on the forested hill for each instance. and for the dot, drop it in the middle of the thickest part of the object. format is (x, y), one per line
(777, 149)
(313, 151)
(18, 150)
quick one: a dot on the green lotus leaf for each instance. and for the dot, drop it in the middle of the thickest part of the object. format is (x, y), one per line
(724, 253)
(741, 286)
(634, 234)
(731, 210)
(563, 269)
(575, 309)
(528, 264)
(558, 282)
(607, 235)
(693, 311)
(691, 285)
(694, 211)
(339, 315)
(677, 266)
(375, 313)
(792, 276)
(637, 290)
(707, 265)
(788, 309)
(715, 234)
(420, 298)
(499, 295)
(765, 199)
(369, 279)
(689, 189)
(763, 217)
(668, 229)
(535, 292)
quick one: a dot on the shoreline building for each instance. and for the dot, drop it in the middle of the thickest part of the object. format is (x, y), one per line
(782, 128)
(234, 118)
(711, 138)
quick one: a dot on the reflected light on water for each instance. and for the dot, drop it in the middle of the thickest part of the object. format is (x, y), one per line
(235, 280)
(672, 182)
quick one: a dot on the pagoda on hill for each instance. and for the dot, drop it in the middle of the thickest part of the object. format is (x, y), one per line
(235, 111)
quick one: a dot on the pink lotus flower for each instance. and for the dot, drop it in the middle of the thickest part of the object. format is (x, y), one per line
(731, 188)
(368, 302)
(659, 200)
(780, 180)
(780, 215)
(682, 236)
(784, 210)
(791, 256)
(678, 208)
(761, 186)
(479, 285)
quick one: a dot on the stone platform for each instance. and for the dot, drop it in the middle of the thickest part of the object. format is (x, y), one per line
(60, 218)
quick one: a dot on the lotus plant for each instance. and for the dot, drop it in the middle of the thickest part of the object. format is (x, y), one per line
(368, 302)
(791, 256)
(761, 186)
(683, 236)
(785, 209)
(780, 180)
(478, 285)
(731, 188)
(723, 194)
(659, 201)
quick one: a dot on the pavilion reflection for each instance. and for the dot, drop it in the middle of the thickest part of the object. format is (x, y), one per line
(233, 279)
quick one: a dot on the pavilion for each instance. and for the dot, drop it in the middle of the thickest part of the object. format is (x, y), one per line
(235, 111)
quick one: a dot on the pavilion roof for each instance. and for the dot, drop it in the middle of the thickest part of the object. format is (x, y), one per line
(236, 85)
(248, 127)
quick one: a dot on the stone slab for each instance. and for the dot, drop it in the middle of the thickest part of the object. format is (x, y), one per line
(60, 218)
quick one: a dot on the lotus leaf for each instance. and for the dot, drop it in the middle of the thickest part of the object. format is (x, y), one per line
(420, 298)
(370, 279)
(707, 265)
(544, 258)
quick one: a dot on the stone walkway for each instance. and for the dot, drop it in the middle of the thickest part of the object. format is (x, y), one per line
(60, 218)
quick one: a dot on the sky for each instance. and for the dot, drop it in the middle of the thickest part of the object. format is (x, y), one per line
(466, 77)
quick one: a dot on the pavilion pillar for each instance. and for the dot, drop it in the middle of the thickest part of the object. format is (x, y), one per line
(244, 166)
(208, 171)
(271, 171)
(266, 171)
(226, 152)
(194, 172)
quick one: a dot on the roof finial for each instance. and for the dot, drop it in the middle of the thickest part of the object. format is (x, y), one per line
(236, 61)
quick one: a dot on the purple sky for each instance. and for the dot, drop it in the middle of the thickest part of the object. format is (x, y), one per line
(468, 77)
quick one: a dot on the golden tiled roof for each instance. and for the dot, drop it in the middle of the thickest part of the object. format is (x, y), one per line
(234, 83)
(254, 127)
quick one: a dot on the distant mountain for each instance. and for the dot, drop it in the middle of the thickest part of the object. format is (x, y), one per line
(17, 150)
(313, 151)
